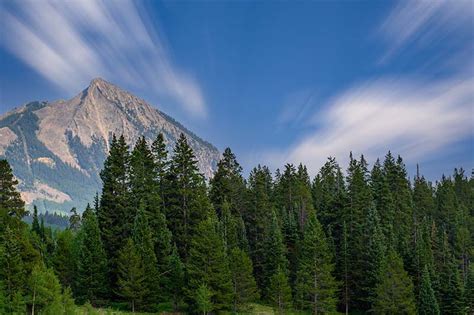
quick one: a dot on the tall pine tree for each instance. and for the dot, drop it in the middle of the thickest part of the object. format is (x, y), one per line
(315, 286)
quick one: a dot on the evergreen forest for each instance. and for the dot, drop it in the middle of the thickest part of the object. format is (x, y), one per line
(159, 237)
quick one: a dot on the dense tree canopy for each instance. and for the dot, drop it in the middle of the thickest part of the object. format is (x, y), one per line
(161, 237)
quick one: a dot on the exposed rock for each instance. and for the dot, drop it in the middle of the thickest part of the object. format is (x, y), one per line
(72, 137)
(7, 136)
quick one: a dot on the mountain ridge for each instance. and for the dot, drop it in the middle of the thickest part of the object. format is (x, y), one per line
(70, 139)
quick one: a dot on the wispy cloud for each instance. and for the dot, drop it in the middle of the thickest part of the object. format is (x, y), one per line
(418, 23)
(407, 116)
(412, 115)
(70, 42)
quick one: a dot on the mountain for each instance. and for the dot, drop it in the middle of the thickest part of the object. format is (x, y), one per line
(57, 149)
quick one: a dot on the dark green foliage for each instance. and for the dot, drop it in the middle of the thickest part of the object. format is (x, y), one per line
(274, 253)
(399, 184)
(427, 304)
(279, 292)
(142, 238)
(161, 164)
(469, 290)
(257, 214)
(35, 227)
(91, 278)
(394, 292)
(374, 253)
(315, 285)
(186, 201)
(452, 300)
(10, 199)
(359, 197)
(44, 292)
(203, 298)
(244, 288)
(74, 220)
(207, 264)
(131, 282)
(176, 279)
(383, 200)
(159, 239)
(63, 260)
(227, 186)
(115, 215)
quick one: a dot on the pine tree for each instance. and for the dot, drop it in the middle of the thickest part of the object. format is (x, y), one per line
(4, 307)
(187, 202)
(18, 304)
(423, 201)
(161, 164)
(176, 279)
(469, 290)
(243, 282)
(64, 264)
(74, 220)
(452, 301)
(143, 184)
(344, 267)
(115, 216)
(383, 201)
(35, 227)
(359, 198)
(427, 304)
(92, 262)
(142, 238)
(13, 273)
(131, 277)
(399, 184)
(315, 285)
(163, 252)
(395, 289)
(203, 297)
(207, 264)
(44, 292)
(228, 227)
(274, 253)
(280, 291)
(10, 199)
(227, 186)
(256, 216)
(330, 198)
(291, 237)
(374, 252)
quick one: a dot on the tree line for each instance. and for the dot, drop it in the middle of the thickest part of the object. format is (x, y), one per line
(159, 237)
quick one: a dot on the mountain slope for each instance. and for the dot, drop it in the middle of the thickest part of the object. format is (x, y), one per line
(57, 149)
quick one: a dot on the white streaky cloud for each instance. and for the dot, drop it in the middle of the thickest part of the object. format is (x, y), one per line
(410, 118)
(71, 42)
(420, 22)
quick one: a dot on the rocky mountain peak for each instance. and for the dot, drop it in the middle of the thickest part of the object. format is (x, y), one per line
(73, 136)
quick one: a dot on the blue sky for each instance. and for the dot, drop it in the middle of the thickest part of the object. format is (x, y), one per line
(276, 81)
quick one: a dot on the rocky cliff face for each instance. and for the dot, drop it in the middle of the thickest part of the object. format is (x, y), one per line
(57, 149)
